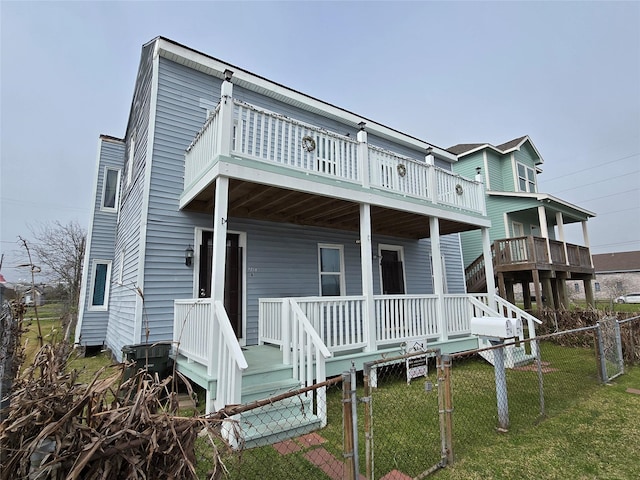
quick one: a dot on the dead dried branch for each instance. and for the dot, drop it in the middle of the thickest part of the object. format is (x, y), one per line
(57, 428)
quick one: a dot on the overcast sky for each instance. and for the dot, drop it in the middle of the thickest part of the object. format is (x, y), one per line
(566, 74)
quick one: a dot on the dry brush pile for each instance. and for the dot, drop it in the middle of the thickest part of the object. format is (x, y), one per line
(57, 428)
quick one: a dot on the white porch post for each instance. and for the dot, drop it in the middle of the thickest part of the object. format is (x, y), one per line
(363, 155)
(432, 183)
(438, 286)
(544, 230)
(367, 275)
(488, 267)
(226, 115)
(560, 223)
(220, 212)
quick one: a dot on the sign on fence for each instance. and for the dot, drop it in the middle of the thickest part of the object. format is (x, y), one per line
(416, 366)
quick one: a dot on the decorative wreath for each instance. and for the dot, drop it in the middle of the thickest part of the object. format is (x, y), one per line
(459, 189)
(308, 143)
(402, 170)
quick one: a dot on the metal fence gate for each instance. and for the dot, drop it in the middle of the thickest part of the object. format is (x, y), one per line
(406, 436)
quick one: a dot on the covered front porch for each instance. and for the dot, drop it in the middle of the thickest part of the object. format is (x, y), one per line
(307, 339)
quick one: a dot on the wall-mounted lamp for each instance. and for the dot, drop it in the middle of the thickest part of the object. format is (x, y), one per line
(228, 74)
(188, 255)
(361, 125)
(478, 170)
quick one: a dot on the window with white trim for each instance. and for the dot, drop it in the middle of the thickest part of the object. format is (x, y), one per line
(110, 189)
(331, 269)
(100, 280)
(526, 178)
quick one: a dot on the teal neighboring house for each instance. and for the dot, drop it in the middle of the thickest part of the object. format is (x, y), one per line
(527, 227)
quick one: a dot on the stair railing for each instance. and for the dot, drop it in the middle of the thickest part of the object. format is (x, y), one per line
(230, 359)
(505, 309)
(307, 349)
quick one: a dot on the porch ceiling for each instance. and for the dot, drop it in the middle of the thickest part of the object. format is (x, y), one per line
(263, 202)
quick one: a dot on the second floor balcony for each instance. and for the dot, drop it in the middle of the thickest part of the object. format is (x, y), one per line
(236, 129)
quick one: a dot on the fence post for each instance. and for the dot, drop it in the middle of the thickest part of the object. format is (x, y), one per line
(354, 422)
(540, 376)
(347, 428)
(445, 405)
(502, 398)
(619, 346)
(368, 433)
(600, 356)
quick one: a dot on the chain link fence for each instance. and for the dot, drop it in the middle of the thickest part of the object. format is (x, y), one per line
(402, 422)
(295, 435)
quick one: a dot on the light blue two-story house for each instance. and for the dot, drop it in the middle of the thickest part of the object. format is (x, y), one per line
(274, 238)
(527, 231)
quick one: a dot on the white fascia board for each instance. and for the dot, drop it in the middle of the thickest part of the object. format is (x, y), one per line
(478, 148)
(541, 197)
(266, 87)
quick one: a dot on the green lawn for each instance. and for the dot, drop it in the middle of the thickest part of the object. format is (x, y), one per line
(598, 436)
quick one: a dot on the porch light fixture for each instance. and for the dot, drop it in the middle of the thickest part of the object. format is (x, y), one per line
(228, 74)
(188, 255)
(362, 125)
(478, 170)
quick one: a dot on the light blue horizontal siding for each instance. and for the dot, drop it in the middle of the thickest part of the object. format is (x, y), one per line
(100, 245)
(123, 297)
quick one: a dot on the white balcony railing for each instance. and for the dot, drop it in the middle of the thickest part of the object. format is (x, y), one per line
(265, 136)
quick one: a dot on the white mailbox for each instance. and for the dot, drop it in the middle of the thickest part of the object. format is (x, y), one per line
(496, 327)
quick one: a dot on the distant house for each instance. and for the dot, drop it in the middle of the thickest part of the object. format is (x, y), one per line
(616, 274)
(262, 230)
(527, 227)
(33, 296)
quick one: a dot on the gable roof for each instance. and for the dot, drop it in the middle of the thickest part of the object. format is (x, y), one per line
(463, 149)
(617, 262)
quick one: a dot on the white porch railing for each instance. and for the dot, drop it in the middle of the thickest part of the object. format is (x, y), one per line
(192, 329)
(207, 337)
(459, 192)
(308, 355)
(342, 325)
(400, 318)
(265, 136)
(391, 171)
(201, 152)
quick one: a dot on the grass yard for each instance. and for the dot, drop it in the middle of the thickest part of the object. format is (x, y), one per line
(597, 436)
(50, 326)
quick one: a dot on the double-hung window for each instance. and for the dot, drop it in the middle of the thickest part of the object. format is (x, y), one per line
(331, 268)
(110, 189)
(526, 178)
(100, 280)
